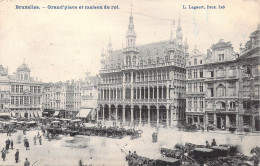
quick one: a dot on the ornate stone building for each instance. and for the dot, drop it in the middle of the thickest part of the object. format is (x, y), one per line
(221, 85)
(4, 90)
(54, 99)
(249, 82)
(230, 94)
(20, 93)
(144, 84)
(195, 88)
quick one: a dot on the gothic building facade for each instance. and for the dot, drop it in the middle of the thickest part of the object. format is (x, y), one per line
(144, 84)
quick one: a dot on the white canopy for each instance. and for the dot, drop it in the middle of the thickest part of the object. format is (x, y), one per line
(56, 113)
(83, 113)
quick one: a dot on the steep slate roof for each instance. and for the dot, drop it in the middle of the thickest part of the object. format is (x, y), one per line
(152, 50)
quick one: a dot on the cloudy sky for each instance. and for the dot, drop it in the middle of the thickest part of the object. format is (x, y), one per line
(63, 44)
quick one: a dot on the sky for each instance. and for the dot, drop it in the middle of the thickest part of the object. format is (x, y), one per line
(60, 45)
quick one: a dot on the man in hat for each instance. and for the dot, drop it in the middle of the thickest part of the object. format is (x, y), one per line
(17, 156)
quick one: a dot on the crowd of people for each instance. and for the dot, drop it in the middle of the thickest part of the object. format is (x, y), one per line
(9, 145)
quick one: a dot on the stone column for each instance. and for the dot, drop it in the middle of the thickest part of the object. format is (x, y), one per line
(149, 116)
(98, 111)
(132, 93)
(167, 117)
(132, 114)
(109, 113)
(215, 119)
(123, 89)
(103, 110)
(140, 120)
(157, 116)
(116, 114)
(123, 109)
(206, 120)
(171, 117)
(153, 92)
(148, 92)
(237, 120)
(157, 92)
(162, 92)
(227, 121)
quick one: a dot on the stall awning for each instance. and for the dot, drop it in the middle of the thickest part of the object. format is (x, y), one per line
(4, 114)
(83, 113)
(22, 115)
(39, 114)
(56, 113)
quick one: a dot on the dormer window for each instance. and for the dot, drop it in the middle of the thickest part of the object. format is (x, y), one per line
(158, 60)
(149, 61)
(221, 57)
(195, 61)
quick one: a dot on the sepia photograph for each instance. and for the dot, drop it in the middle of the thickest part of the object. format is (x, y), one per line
(129, 82)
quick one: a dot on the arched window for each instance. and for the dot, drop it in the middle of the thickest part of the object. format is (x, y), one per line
(163, 75)
(149, 61)
(221, 90)
(141, 62)
(26, 76)
(128, 60)
(158, 60)
(195, 61)
(166, 58)
(134, 60)
(220, 105)
(232, 105)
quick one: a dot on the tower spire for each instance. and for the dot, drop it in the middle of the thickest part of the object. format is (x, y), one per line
(109, 46)
(131, 35)
(172, 27)
(179, 23)
(131, 7)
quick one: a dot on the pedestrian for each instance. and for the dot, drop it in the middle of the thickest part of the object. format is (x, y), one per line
(9, 143)
(40, 140)
(12, 144)
(38, 134)
(24, 141)
(207, 144)
(214, 143)
(26, 163)
(3, 154)
(6, 145)
(27, 144)
(34, 140)
(17, 156)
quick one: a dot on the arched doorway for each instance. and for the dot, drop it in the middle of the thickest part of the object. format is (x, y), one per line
(136, 114)
(113, 113)
(120, 113)
(127, 113)
(106, 112)
(100, 112)
(162, 114)
(144, 114)
(153, 114)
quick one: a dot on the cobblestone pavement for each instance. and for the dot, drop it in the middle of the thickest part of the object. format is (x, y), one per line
(67, 151)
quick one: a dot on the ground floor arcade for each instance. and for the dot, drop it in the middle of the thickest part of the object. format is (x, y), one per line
(152, 115)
